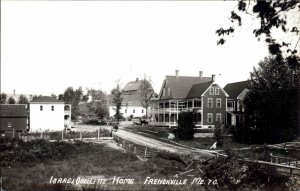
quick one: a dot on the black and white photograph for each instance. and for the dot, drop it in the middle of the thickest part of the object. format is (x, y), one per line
(114, 95)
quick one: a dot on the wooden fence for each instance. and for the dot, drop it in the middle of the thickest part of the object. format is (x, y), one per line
(139, 150)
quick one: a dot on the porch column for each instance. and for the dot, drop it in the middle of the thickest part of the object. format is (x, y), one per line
(177, 110)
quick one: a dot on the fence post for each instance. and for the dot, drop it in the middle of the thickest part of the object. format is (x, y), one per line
(129, 148)
(13, 133)
(98, 133)
(81, 135)
(145, 152)
(134, 150)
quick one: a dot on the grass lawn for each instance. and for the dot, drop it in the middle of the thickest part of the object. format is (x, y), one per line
(79, 160)
(30, 166)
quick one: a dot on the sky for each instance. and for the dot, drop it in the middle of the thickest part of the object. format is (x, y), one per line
(47, 46)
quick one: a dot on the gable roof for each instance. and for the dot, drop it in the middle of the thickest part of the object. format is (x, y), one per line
(46, 99)
(198, 89)
(13, 110)
(182, 85)
(235, 89)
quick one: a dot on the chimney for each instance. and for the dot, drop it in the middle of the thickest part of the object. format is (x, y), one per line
(137, 79)
(213, 77)
(201, 74)
(14, 92)
(176, 73)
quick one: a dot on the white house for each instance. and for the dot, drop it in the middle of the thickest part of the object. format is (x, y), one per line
(48, 113)
(131, 105)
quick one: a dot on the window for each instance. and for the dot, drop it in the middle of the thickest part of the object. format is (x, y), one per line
(217, 91)
(218, 103)
(142, 111)
(52, 108)
(209, 118)
(190, 104)
(41, 108)
(167, 104)
(161, 105)
(9, 124)
(197, 103)
(125, 110)
(219, 117)
(210, 102)
(211, 91)
(134, 111)
(229, 104)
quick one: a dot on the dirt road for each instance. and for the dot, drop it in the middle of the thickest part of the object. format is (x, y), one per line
(162, 146)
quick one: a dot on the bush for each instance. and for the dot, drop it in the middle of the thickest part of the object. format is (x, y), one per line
(186, 125)
(219, 134)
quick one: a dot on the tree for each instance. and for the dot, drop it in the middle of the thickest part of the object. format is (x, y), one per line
(270, 15)
(100, 98)
(272, 103)
(85, 98)
(36, 96)
(11, 100)
(102, 111)
(61, 97)
(23, 100)
(53, 95)
(145, 92)
(3, 98)
(73, 97)
(186, 125)
(117, 100)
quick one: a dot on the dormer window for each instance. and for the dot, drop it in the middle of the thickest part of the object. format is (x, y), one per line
(217, 91)
(211, 91)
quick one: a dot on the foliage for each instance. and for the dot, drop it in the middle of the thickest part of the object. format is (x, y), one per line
(219, 133)
(3, 98)
(53, 95)
(13, 150)
(23, 100)
(61, 97)
(73, 97)
(117, 101)
(146, 92)
(272, 104)
(11, 100)
(293, 184)
(236, 175)
(36, 96)
(102, 111)
(270, 15)
(100, 98)
(85, 98)
(186, 125)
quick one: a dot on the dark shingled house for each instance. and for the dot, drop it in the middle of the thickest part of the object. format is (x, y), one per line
(14, 118)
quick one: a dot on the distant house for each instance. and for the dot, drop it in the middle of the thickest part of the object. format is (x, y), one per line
(237, 92)
(14, 118)
(190, 93)
(131, 105)
(48, 113)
